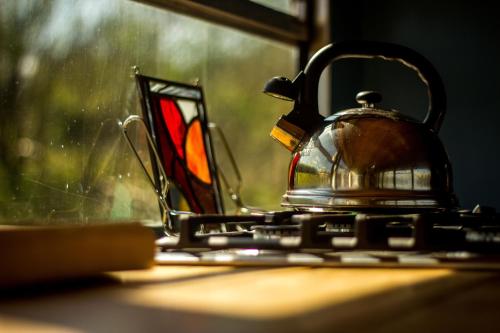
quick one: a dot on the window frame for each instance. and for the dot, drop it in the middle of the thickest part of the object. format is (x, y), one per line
(251, 17)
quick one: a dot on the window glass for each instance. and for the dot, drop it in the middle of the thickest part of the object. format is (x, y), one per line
(65, 82)
(287, 6)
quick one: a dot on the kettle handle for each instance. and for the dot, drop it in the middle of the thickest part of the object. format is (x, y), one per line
(308, 99)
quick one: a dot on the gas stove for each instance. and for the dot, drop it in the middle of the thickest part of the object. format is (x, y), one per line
(459, 239)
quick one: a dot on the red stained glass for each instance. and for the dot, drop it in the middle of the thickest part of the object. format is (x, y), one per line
(172, 118)
(177, 116)
(205, 198)
(182, 181)
(196, 155)
(166, 151)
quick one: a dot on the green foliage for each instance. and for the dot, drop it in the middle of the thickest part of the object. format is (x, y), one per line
(65, 81)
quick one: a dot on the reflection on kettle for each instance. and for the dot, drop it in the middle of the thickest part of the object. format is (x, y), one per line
(365, 157)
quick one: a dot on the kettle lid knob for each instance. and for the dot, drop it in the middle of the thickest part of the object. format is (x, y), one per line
(367, 99)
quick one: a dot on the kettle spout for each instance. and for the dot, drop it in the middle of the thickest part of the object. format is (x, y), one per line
(290, 129)
(286, 133)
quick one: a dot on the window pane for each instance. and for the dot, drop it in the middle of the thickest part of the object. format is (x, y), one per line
(65, 81)
(286, 6)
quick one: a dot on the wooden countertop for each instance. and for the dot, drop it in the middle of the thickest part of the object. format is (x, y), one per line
(228, 299)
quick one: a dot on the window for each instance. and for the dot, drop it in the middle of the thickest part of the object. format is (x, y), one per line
(65, 82)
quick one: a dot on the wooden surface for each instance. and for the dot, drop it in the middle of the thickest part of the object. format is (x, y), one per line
(31, 254)
(293, 299)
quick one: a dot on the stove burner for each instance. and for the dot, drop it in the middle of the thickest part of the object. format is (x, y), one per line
(341, 223)
(275, 231)
(456, 239)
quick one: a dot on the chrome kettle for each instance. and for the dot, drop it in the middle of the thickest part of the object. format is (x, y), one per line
(365, 157)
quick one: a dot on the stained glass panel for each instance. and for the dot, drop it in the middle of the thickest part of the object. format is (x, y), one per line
(177, 121)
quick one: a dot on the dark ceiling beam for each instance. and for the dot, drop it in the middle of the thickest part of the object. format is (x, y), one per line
(243, 15)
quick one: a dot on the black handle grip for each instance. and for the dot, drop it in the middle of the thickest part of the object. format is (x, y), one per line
(308, 98)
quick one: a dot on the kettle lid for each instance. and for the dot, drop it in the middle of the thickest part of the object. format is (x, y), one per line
(368, 108)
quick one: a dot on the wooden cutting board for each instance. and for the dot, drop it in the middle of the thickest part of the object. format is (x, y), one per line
(39, 254)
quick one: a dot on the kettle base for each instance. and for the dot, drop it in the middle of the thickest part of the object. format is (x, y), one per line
(324, 201)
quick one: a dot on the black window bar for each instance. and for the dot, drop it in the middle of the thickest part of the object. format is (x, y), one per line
(251, 17)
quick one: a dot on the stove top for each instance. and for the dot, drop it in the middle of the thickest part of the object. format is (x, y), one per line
(457, 239)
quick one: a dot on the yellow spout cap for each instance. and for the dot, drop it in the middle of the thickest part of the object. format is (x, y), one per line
(287, 134)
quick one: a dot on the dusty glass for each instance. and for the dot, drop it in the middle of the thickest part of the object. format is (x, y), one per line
(65, 82)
